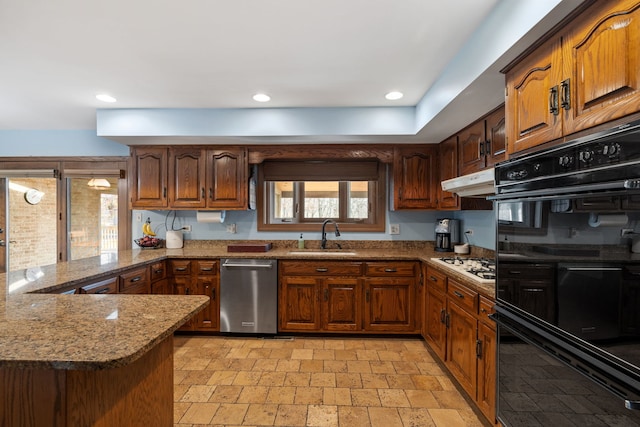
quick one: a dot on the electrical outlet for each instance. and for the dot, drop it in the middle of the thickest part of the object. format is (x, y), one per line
(626, 231)
(394, 228)
(231, 228)
(186, 228)
(469, 232)
(139, 217)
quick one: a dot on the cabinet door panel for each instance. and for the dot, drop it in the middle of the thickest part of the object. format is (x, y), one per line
(486, 398)
(602, 59)
(186, 178)
(342, 303)
(435, 312)
(299, 307)
(471, 144)
(496, 144)
(415, 173)
(227, 179)
(530, 119)
(149, 178)
(461, 347)
(448, 155)
(208, 319)
(389, 304)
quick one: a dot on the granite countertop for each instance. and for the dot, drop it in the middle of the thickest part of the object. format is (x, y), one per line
(48, 330)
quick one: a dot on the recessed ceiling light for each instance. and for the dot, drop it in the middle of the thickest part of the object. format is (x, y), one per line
(261, 97)
(104, 97)
(392, 96)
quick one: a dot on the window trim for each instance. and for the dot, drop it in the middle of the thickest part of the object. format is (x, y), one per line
(378, 223)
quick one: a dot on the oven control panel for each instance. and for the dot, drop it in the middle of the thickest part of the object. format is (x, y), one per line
(567, 163)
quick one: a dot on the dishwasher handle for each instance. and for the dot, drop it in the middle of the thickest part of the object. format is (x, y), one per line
(247, 265)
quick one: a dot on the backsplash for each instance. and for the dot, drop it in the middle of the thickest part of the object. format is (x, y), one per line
(414, 226)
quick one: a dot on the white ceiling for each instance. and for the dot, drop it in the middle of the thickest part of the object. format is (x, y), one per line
(57, 55)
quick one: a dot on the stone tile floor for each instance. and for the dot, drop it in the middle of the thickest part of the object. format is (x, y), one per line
(307, 381)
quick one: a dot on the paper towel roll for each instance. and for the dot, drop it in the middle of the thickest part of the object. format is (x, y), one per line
(607, 220)
(210, 216)
(174, 239)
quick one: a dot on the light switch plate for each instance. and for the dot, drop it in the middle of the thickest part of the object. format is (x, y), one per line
(394, 228)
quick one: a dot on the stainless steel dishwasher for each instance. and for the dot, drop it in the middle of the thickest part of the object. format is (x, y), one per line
(249, 296)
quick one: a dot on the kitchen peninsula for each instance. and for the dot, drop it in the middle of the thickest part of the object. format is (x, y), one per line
(99, 360)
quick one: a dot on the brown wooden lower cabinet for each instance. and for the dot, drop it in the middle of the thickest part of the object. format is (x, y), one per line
(346, 296)
(458, 329)
(198, 277)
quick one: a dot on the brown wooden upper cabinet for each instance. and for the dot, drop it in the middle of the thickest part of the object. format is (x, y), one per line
(189, 178)
(448, 162)
(149, 177)
(415, 177)
(585, 75)
(482, 144)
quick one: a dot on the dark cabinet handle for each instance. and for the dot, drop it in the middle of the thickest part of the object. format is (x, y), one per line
(103, 291)
(203, 194)
(206, 269)
(481, 146)
(326, 295)
(159, 271)
(443, 315)
(565, 100)
(553, 100)
(181, 268)
(187, 291)
(213, 293)
(458, 294)
(135, 279)
(487, 148)
(164, 192)
(479, 349)
(390, 270)
(447, 320)
(211, 193)
(515, 272)
(322, 270)
(433, 279)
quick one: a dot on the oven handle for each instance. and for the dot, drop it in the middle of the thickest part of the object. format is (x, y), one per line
(591, 268)
(633, 405)
(572, 191)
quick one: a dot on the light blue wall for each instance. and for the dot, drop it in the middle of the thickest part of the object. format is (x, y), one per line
(57, 143)
(414, 225)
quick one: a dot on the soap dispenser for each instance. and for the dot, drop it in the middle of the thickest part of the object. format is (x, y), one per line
(301, 242)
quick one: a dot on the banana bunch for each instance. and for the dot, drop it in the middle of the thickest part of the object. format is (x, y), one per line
(146, 228)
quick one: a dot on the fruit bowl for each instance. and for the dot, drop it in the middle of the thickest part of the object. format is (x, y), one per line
(148, 242)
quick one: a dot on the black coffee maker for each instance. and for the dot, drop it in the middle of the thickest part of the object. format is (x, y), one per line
(447, 234)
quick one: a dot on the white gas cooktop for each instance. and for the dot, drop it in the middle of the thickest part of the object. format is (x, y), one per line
(481, 270)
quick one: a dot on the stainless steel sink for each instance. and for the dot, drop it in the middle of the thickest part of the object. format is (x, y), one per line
(322, 253)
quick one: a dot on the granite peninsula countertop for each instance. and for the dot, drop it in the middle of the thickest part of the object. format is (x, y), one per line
(55, 331)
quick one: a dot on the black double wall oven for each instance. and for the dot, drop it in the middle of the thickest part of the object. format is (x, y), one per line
(568, 283)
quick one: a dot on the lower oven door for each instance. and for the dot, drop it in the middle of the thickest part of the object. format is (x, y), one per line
(544, 382)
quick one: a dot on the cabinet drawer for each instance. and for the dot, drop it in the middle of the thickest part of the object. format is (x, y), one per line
(180, 267)
(485, 308)
(158, 271)
(136, 281)
(463, 296)
(108, 286)
(436, 279)
(323, 268)
(203, 267)
(390, 269)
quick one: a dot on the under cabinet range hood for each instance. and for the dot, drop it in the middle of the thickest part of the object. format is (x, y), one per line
(476, 184)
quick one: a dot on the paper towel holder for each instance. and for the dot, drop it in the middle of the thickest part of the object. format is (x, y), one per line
(211, 216)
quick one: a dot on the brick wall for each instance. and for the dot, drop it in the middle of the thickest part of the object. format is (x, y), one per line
(32, 228)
